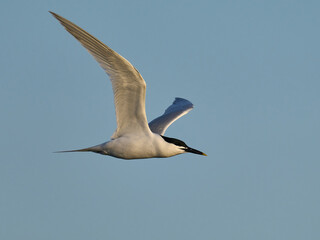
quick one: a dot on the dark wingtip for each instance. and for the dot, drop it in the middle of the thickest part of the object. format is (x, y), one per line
(54, 14)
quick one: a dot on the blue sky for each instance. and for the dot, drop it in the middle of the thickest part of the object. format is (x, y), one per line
(251, 68)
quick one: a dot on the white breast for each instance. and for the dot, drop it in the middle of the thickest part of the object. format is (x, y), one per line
(133, 147)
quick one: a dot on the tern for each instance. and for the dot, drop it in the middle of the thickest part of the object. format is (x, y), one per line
(134, 138)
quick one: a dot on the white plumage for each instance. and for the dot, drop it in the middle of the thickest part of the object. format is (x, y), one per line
(134, 138)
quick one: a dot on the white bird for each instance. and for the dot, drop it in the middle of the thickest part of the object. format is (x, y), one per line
(134, 138)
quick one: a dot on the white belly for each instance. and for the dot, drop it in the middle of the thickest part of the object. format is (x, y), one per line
(133, 147)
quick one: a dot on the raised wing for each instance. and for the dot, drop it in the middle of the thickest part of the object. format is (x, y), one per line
(178, 108)
(128, 86)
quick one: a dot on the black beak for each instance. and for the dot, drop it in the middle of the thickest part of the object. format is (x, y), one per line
(191, 150)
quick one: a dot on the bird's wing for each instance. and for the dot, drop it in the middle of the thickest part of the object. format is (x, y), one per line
(178, 108)
(128, 86)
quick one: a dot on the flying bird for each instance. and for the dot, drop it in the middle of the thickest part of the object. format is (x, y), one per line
(134, 138)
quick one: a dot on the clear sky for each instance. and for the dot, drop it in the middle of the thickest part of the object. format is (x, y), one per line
(251, 68)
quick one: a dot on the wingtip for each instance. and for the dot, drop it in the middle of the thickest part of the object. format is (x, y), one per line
(57, 16)
(52, 13)
(186, 102)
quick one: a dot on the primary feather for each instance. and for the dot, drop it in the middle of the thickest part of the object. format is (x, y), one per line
(128, 86)
(175, 111)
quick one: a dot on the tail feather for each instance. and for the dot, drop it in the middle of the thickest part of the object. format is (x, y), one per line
(78, 150)
(96, 149)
